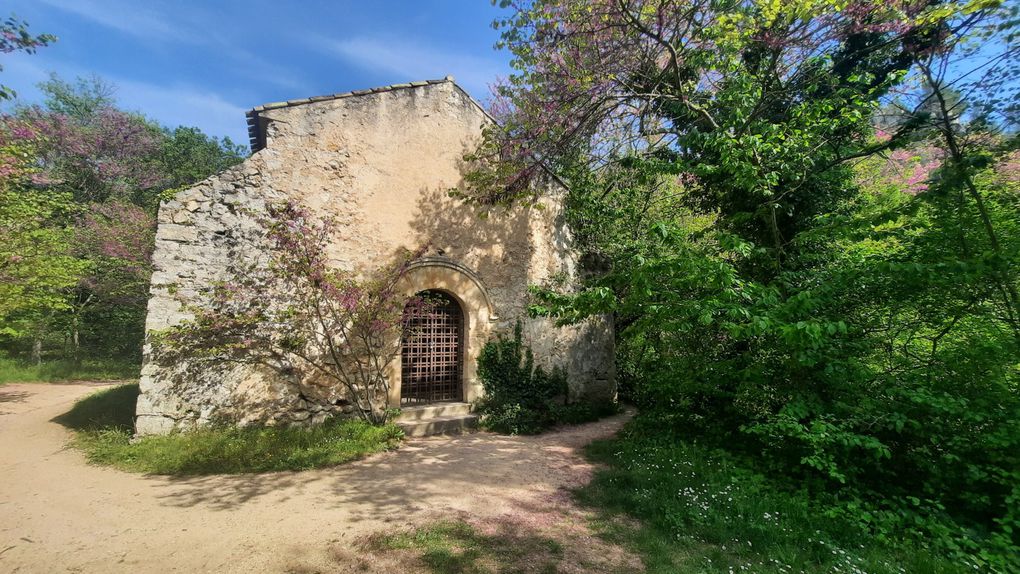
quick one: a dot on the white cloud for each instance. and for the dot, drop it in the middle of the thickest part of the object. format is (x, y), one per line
(413, 61)
(132, 18)
(171, 26)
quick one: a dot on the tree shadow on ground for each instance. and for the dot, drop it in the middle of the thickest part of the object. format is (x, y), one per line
(230, 492)
(424, 474)
(456, 546)
(12, 396)
(389, 484)
(507, 544)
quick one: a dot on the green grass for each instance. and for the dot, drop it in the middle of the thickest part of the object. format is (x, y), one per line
(698, 511)
(103, 426)
(14, 371)
(453, 547)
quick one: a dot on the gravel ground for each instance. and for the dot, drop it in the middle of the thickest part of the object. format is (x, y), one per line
(59, 514)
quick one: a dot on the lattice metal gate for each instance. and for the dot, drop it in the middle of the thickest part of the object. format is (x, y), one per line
(431, 352)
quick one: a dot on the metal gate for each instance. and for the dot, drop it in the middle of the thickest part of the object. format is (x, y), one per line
(431, 350)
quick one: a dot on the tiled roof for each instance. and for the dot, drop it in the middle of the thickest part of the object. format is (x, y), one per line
(255, 134)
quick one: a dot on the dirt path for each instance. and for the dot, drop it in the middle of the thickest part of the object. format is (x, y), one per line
(59, 514)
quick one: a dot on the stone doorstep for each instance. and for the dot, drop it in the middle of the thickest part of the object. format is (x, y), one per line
(453, 424)
(410, 414)
(443, 418)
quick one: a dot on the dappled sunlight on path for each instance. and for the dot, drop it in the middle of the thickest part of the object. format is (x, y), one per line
(58, 513)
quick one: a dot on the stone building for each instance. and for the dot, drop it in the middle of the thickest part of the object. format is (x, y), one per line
(380, 162)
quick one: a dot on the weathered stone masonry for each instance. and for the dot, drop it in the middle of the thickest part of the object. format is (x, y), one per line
(380, 162)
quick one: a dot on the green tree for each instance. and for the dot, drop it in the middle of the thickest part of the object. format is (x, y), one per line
(15, 37)
(832, 302)
(37, 264)
(96, 176)
(187, 156)
(82, 100)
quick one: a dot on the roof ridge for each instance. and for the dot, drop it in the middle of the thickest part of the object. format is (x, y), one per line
(252, 114)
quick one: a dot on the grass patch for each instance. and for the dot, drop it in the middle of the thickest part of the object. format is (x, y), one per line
(103, 426)
(454, 547)
(14, 371)
(699, 511)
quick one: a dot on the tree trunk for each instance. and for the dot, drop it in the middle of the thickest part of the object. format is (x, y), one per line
(1011, 298)
(75, 345)
(37, 351)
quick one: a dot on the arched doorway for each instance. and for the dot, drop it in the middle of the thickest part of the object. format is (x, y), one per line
(432, 351)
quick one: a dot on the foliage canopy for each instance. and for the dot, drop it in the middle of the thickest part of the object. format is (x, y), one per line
(80, 181)
(803, 216)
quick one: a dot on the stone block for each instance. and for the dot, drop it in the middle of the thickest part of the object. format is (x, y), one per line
(176, 232)
(182, 216)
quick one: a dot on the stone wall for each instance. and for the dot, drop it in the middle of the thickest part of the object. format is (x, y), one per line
(380, 164)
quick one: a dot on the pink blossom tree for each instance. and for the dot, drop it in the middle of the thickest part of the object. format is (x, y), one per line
(109, 167)
(110, 154)
(37, 261)
(302, 316)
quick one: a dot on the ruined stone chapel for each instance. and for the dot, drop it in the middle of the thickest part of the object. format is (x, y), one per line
(380, 163)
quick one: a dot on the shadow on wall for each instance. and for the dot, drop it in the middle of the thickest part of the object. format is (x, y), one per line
(496, 247)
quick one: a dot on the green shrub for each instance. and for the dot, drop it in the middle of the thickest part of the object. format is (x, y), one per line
(521, 398)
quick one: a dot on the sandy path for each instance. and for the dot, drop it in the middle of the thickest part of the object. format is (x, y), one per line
(59, 514)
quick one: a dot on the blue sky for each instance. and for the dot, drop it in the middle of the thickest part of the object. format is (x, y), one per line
(203, 63)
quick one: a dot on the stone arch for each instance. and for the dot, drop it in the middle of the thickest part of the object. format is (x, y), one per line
(455, 273)
(479, 314)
